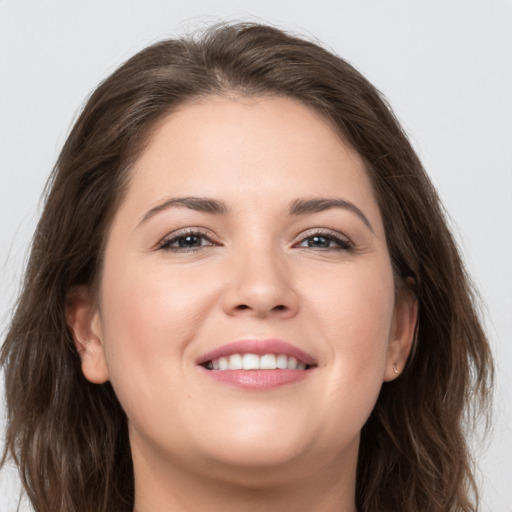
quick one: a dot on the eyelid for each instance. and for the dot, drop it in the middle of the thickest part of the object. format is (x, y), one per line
(344, 241)
(180, 233)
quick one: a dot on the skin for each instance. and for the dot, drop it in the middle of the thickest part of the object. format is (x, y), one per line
(201, 445)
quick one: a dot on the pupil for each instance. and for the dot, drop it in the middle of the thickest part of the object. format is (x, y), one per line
(319, 241)
(189, 241)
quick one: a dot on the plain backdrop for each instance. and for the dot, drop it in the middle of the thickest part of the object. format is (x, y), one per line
(445, 66)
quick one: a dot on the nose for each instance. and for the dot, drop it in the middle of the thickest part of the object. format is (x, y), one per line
(260, 286)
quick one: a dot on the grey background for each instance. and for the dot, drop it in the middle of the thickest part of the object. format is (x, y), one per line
(445, 66)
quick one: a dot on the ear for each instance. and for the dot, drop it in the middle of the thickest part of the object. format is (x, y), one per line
(405, 316)
(83, 319)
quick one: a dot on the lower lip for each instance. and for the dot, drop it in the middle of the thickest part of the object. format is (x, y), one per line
(257, 379)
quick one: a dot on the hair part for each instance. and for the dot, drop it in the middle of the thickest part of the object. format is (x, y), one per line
(68, 436)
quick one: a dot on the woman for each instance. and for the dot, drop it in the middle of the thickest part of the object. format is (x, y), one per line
(243, 295)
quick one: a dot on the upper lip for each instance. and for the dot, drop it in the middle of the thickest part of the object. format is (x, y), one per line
(258, 347)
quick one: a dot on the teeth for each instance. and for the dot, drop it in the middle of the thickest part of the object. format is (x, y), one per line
(249, 361)
(255, 362)
(236, 362)
(268, 362)
(282, 362)
(292, 363)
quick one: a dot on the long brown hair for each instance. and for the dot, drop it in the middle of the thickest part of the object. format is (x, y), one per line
(69, 437)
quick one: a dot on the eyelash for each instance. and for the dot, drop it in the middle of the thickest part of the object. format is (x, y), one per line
(342, 243)
(165, 244)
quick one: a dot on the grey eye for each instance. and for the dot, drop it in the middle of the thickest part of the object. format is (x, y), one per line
(325, 241)
(321, 242)
(189, 241)
(186, 242)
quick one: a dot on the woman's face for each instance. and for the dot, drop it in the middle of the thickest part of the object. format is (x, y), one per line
(248, 227)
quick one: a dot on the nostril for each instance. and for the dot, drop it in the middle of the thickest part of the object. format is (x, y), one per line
(279, 308)
(242, 306)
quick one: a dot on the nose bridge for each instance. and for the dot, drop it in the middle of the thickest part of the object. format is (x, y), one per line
(261, 280)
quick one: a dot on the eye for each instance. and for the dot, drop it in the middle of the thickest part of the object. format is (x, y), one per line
(325, 240)
(186, 241)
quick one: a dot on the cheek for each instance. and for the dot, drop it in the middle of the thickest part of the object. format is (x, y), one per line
(151, 302)
(357, 322)
(354, 303)
(355, 316)
(149, 315)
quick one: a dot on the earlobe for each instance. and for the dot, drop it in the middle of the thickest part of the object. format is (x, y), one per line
(403, 329)
(83, 319)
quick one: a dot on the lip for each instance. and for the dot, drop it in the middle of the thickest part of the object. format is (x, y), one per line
(258, 380)
(258, 347)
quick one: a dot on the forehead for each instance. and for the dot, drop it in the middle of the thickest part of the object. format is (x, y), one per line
(264, 149)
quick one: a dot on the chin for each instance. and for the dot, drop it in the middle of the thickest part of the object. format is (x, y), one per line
(262, 454)
(251, 466)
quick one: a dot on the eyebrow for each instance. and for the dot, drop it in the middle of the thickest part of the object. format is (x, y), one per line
(217, 207)
(316, 205)
(199, 204)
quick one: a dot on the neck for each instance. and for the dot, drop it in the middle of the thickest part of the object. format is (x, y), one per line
(161, 486)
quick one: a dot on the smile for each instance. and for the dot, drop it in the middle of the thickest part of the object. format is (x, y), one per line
(256, 362)
(257, 365)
